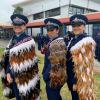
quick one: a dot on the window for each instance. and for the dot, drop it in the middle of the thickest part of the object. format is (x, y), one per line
(38, 16)
(89, 11)
(76, 10)
(80, 11)
(70, 10)
(96, 29)
(52, 12)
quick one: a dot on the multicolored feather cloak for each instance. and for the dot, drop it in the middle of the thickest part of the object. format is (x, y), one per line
(83, 58)
(24, 64)
(58, 62)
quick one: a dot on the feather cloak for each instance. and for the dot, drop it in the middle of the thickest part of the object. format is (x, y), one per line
(83, 58)
(24, 63)
(58, 62)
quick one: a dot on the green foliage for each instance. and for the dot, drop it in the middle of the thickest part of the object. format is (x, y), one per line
(1, 52)
(18, 10)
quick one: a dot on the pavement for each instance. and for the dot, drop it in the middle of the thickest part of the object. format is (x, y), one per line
(3, 44)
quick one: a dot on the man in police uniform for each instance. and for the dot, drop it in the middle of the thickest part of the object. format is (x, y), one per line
(97, 51)
(23, 68)
(79, 62)
(42, 41)
(53, 53)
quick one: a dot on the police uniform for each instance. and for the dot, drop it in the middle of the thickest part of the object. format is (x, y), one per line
(42, 42)
(97, 51)
(39, 38)
(80, 58)
(53, 86)
(23, 63)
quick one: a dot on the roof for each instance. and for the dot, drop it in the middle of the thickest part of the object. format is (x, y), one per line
(5, 25)
(93, 17)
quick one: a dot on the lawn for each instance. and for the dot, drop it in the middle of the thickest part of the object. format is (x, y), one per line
(64, 91)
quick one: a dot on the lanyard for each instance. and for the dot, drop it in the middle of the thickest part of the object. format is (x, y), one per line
(69, 42)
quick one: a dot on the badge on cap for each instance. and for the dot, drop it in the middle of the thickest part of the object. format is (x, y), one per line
(18, 20)
(76, 19)
(49, 23)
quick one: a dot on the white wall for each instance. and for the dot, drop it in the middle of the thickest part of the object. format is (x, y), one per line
(94, 5)
(64, 2)
(30, 18)
(84, 3)
(64, 11)
(50, 4)
(42, 5)
(33, 8)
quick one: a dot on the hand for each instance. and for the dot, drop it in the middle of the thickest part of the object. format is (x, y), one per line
(9, 79)
(42, 51)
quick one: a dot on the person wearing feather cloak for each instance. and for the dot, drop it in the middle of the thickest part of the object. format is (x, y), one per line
(22, 69)
(80, 60)
(54, 71)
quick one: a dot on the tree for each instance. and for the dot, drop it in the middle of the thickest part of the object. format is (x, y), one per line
(18, 10)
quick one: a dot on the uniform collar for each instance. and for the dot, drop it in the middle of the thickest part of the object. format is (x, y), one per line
(53, 38)
(18, 35)
(78, 35)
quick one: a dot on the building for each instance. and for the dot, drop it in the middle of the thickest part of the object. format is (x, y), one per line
(37, 10)
(6, 31)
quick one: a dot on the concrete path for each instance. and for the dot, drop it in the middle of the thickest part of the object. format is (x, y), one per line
(3, 43)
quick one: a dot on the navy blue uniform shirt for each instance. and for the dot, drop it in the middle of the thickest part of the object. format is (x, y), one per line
(70, 41)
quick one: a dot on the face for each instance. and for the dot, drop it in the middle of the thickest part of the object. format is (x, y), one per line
(78, 29)
(19, 29)
(53, 33)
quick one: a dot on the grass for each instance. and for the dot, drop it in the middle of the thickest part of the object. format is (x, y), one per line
(64, 91)
(1, 52)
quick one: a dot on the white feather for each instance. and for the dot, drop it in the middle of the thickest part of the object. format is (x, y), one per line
(22, 46)
(2, 73)
(25, 65)
(6, 91)
(85, 41)
(25, 88)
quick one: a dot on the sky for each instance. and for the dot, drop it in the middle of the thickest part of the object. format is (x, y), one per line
(6, 9)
